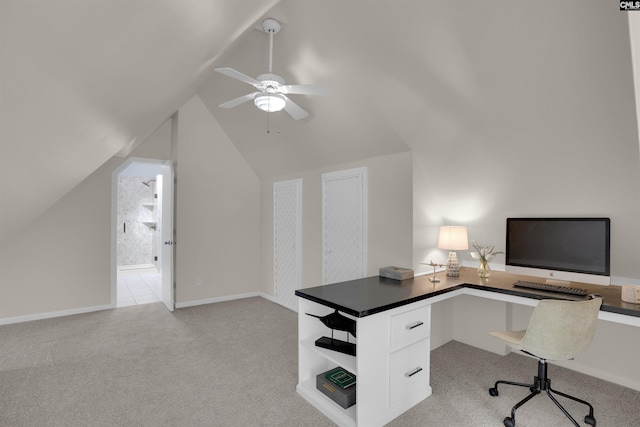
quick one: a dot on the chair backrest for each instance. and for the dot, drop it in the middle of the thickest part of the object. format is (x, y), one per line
(560, 330)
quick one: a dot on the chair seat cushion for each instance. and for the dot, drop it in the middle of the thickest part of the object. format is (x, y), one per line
(558, 329)
(511, 337)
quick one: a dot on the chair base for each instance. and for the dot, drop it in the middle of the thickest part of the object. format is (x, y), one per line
(542, 383)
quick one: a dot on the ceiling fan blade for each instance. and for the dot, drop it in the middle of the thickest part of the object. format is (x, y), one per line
(305, 89)
(294, 109)
(238, 101)
(238, 76)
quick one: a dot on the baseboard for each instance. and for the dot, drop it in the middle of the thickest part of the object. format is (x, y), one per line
(575, 365)
(231, 298)
(52, 314)
(274, 300)
(597, 373)
(218, 299)
(269, 297)
(130, 267)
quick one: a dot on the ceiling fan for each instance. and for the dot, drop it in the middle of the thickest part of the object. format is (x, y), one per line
(272, 92)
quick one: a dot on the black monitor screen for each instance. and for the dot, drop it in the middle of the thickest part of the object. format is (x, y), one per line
(578, 245)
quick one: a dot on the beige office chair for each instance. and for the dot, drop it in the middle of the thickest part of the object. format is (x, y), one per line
(558, 330)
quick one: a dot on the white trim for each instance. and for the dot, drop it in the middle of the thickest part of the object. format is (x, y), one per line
(52, 314)
(123, 268)
(577, 366)
(231, 298)
(218, 299)
(83, 310)
(114, 216)
(271, 298)
(274, 300)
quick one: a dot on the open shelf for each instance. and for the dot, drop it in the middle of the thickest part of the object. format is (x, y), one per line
(344, 360)
(386, 350)
(341, 416)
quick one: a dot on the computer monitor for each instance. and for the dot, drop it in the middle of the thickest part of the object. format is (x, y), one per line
(559, 249)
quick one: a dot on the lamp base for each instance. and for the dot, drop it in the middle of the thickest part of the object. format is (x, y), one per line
(453, 266)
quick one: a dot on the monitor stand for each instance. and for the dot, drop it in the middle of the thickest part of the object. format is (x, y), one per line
(556, 282)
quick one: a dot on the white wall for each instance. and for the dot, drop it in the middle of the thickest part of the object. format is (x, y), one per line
(61, 263)
(547, 128)
(389, 218)
(218, 212)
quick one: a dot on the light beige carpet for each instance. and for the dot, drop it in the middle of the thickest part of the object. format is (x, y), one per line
(235, 364)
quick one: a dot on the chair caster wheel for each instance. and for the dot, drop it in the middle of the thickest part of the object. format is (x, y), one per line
(590, 420)
(509, 422)
(494, 392)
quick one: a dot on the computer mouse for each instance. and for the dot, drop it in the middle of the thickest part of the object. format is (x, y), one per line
(594, 296)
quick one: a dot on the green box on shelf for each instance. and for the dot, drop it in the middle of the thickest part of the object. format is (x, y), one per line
(344, 397)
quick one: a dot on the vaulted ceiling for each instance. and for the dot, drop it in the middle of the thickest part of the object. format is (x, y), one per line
(82, 81)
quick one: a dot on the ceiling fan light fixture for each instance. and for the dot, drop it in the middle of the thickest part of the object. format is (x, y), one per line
(269, 102)
(271, 94)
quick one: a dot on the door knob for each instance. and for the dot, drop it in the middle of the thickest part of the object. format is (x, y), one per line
(168, 242)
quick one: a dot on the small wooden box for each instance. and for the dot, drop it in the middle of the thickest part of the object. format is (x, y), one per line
(397, 273)
(344, 397)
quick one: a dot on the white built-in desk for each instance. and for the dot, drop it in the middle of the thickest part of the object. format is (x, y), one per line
(393, 328)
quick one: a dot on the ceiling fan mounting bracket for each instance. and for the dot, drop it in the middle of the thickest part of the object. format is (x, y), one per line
(270, 79)
(270, 25)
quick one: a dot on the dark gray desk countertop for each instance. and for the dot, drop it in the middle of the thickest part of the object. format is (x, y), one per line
(371, 295)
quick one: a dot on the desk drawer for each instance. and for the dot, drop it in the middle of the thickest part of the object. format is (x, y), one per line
(409, 371)
(410, 326)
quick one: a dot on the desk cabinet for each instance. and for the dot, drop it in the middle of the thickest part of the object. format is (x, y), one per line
(393, 327)
(391, 362)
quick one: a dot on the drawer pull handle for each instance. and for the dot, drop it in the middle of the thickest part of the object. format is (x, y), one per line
(414, 325)
(413, 372)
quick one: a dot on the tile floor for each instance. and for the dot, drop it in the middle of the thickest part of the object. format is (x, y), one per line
(135, 288)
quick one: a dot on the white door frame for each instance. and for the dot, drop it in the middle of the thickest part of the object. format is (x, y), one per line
(161, 164)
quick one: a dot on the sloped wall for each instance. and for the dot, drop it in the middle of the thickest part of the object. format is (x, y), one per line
(218, 214)
(549, 129)
(61, 262)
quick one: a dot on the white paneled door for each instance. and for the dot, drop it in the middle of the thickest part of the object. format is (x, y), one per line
(344, 225)
(167, 230)
(287, 247)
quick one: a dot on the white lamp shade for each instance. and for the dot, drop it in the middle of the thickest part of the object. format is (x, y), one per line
(453, 238)
(269, 102)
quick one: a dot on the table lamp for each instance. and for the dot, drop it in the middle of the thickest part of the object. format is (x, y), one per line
(453, 238)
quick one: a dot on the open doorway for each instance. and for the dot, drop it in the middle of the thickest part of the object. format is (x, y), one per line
(142, 233)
